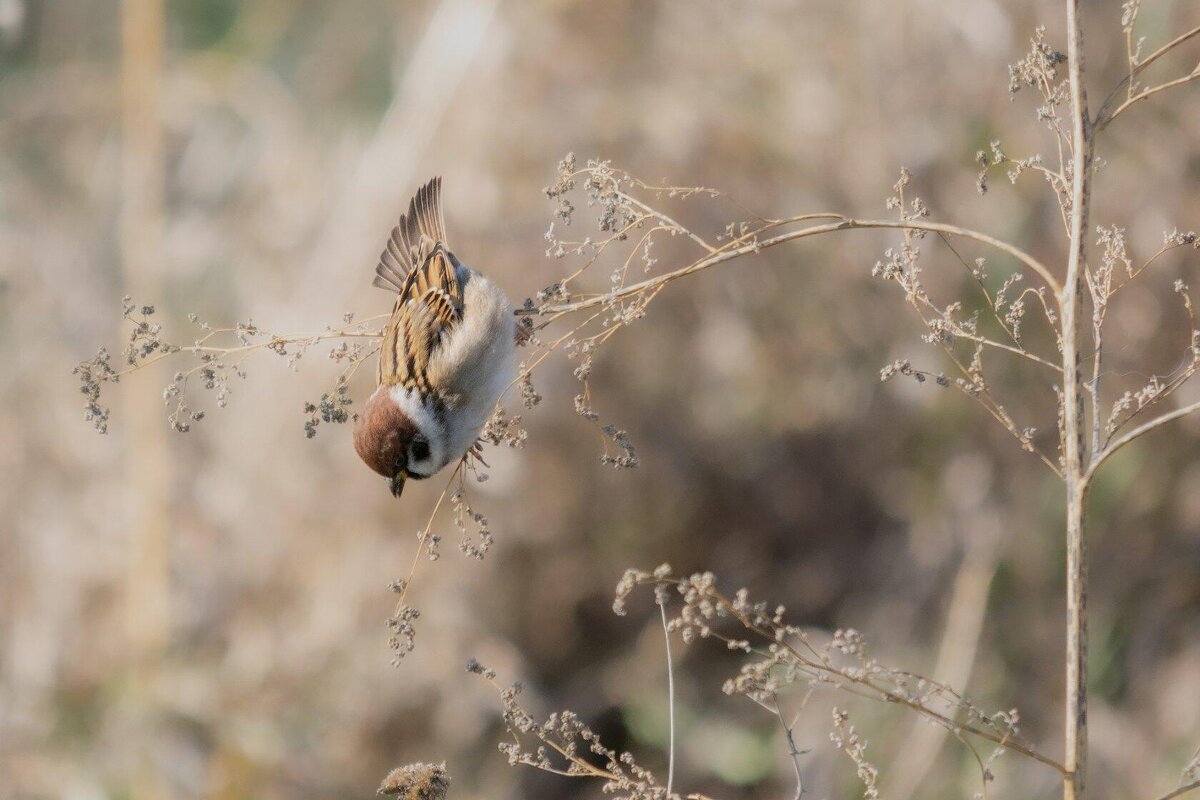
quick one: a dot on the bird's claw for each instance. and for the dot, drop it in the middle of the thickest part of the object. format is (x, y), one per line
(523, 334)
(475, 453)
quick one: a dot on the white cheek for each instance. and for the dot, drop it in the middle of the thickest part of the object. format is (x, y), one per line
(437, 456)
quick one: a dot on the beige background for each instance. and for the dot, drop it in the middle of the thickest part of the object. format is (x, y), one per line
(248, 659)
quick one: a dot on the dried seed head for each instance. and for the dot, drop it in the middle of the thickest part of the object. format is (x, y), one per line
(419, 781)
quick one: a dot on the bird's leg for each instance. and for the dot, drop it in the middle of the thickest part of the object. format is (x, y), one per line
(523, 334)
(475, 453)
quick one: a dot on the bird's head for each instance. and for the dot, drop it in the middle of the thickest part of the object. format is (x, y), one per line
(391, 442)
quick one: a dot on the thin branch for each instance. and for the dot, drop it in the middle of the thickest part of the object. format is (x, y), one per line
(1175, 380)
(356, 331)
(424, 536)
(754, 246)
(1141, 430)
(1104, 116)
(1019, 348)
(788, 734)
(670, 223)
(860, 684)
(1100, 297)
(1001, 346)
(1166, 48)
(579, 767)
(1182, 790)
(1166, 248)
(989, 404)
(1185, 374)
(984, 397)
(1148, 93)
(992, 302)
(662, 607)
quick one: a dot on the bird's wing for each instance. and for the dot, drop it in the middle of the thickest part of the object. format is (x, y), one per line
(417, 264)
(427, 309)
(413, 238)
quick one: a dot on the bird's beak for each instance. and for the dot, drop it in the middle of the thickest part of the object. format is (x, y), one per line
(396, 484)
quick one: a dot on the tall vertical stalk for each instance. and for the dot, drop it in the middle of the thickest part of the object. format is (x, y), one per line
(1075, 734)
(147, 459)
(142, 189)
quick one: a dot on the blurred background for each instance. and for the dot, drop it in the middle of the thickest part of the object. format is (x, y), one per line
(202, 615)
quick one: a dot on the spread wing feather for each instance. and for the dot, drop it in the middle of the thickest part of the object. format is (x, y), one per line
(413, 238)
(417, 265)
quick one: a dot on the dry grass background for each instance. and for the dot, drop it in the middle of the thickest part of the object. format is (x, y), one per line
(293, 133)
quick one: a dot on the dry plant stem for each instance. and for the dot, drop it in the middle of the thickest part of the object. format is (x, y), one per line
(1148, 93)
(790, 737)
(1171, 386)
(720, 256)
(147, 584)
(304, 339)
(662, 607)
(1162, 51)
(1166, 248)
(865, 686)
(1108, 113)
(1099, 297)
(147, 589)
(412, 570)
(989, 404)
(1182, 790)
(1141, 430)
(670, 223)
(580, 767)
(1019, 349)
(1075, 734)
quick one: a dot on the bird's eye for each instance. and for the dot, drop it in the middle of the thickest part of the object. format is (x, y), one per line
(420, 449)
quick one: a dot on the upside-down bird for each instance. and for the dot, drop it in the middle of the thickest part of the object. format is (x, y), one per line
(446, 352)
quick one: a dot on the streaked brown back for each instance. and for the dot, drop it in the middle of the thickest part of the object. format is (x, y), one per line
(429, 298)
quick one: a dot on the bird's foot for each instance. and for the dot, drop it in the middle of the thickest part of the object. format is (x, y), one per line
(475, 454)
(523, 334)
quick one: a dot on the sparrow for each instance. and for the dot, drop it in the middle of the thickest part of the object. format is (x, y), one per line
(446, 352)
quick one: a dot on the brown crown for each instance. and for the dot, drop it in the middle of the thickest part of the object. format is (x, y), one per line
(382, 433)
